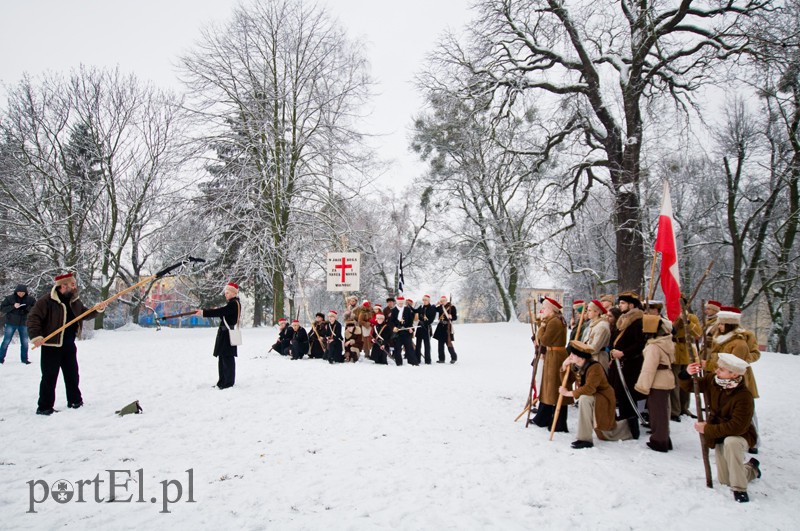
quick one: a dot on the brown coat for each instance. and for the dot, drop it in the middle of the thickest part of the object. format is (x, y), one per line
(736, 344)
(730, 411)
(659, 355)
(591, 381)
(682, 356)
(49, 313)
(552, 334)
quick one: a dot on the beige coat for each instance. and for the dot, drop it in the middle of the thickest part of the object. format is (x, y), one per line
(658, 352)
(599, 337)
(734, 343)
(552, 334)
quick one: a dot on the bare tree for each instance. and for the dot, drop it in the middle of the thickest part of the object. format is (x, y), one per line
(599, 69)
(275, 88)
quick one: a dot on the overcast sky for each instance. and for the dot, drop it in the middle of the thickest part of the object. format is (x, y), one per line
(146, 36)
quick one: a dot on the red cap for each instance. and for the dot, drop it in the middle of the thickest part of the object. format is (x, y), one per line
(400, 298)
(554, 302)
(282, 320)
(365, 304)
(733, 309)
(334, 312)
(295, 321)
(598, 306)
(63, 279)
(715, 304)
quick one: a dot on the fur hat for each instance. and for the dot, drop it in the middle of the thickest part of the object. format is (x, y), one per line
(365, 304)
(631, 297)
(729, 315)
(232, 286)
(598, 306)
(607, 297)
(581, 349)
(60, 280)
(656, 304)
(732, 363)
(713, 305)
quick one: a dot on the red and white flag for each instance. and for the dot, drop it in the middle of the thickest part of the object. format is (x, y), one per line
(665, 244)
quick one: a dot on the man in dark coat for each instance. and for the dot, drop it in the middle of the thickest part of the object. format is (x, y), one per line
(299, 342)
(16, 308)
(315, 338)
(223, 350)
(426, 313)
(332, 332)
(283, 345)
(51, 312)
(381, 339)
(402, 322)
(626, 350)
(444, 329)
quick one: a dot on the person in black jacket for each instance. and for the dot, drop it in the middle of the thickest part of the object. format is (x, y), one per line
(283, 345)
(381, 339)
(16, 307)
(223, 350)
(626, 353)
(299, 342)
(426, 313)
(315, 337)
(59, 353)
(402, 322)
(332, 332)
(444, 329)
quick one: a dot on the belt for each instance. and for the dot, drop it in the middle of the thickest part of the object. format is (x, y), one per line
(556, 349)
(663, 367)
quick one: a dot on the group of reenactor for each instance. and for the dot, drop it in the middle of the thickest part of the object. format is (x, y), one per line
(398, 330)
(628, 366)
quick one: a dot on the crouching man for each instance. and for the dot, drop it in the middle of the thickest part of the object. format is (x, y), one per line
(729, 429)
(596, 401)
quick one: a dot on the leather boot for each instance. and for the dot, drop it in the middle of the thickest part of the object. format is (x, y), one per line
(544, 415)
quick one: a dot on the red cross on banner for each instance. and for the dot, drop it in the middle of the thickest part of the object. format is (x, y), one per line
(343, 271)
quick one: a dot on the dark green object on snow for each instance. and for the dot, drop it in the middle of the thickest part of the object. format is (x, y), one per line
(132, 408)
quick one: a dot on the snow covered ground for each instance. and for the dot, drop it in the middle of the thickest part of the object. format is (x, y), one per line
(307, 445)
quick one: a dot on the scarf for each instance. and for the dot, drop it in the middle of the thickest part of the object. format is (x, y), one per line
(727, 383)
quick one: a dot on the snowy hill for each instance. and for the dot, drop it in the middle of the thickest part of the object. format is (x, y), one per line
(307, 445)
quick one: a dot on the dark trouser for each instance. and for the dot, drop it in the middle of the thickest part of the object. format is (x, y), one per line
(404, 341)
(425, 341)
(544, 417)
(658, 406)
(227, 371)
(679, 399)
(53, 359)
(378, 355)
(626, 409)
(450, 348)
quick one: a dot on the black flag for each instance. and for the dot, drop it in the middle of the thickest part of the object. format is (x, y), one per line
(400, 280)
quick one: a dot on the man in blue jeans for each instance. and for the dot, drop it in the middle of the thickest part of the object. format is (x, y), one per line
(16, 307)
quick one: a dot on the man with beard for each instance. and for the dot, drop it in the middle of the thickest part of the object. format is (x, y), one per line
(60, 306)
(626, 353)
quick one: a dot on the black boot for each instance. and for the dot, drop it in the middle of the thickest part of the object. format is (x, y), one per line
(633, 424)
(544, 415)
(453, 356)
(741, 497)
(561, 424)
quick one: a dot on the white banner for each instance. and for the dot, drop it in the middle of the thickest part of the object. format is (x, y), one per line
(344, 271)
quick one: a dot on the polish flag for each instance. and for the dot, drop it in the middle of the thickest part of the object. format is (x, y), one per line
(665, 244)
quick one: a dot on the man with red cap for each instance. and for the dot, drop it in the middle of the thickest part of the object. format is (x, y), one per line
(316, 337)
(364, 315)
(223, 350)
(333, 338)
(444, 334)
(50, 313)
(551, 339)
(381, 339)
(299, 343)
(402, 322)
(285, 333)
(426, 313)
(598, 334)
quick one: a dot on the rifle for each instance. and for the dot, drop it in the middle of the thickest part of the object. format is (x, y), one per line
(564, 383)
(533, 393)
(175, 316)
(164, 272)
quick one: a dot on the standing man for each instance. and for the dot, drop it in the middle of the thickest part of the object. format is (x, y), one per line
(49, 313)
(626, 353)
(426, 313)
(16, 308)
(402, 322)
(223, 350)
(550, 339)
(444, 329)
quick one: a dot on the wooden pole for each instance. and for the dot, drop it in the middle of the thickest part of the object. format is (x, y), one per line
(532, 393)
(651, 291)
(96, 306)
(696, 389)
(564, 382)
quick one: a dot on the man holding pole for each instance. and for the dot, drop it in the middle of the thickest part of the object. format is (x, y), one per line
(50, 313)
(551, 338)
